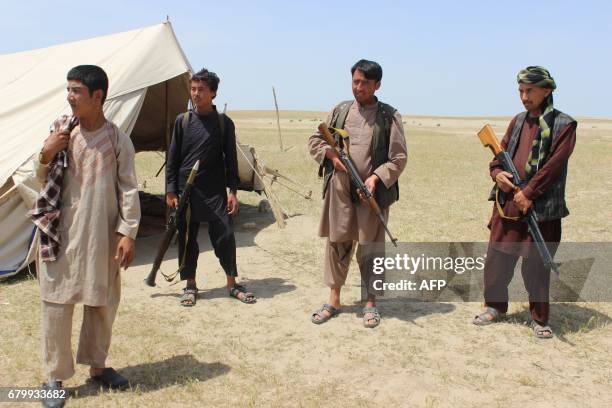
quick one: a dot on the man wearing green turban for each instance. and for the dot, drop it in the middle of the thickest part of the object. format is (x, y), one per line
(540, 142)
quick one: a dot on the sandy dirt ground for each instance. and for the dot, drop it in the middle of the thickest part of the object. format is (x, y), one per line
(424, 354)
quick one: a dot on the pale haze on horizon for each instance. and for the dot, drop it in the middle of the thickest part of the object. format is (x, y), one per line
(440, 58)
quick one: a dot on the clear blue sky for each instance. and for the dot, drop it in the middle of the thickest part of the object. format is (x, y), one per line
(438, 57)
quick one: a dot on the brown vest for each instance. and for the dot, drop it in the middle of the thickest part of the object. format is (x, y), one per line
(379, 150)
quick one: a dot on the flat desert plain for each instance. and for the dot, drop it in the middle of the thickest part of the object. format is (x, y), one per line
(424, 354)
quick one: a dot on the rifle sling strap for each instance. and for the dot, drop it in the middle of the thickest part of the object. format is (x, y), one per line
(187, 117)
(170, 278)
(500, 210)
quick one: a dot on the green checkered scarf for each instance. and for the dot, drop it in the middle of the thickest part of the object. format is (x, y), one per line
(539, 76)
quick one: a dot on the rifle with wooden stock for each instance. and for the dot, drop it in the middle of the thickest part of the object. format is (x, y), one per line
(354, 176)
(488, 139)
(171, 229)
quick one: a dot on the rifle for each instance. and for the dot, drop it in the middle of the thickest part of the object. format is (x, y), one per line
(171, 229)
(488, 139)
(354, 175)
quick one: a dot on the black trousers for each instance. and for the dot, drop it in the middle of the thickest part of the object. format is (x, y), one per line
(221, 233)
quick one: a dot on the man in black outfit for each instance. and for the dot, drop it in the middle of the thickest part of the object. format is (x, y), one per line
(206, 135)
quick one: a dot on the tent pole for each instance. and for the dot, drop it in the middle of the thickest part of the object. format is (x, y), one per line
(167, 138)
(166, 116)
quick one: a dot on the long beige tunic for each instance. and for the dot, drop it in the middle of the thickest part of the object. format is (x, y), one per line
(341, 219)
(99, 201)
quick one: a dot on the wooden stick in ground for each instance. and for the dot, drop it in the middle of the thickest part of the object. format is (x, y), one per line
(276, 175)
(280, 139)
(277, 210)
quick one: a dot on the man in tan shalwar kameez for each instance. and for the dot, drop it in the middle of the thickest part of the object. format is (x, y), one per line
(346, 221)
(99, 215)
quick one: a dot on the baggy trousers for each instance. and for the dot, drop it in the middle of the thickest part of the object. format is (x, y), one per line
(338, 259)
(221, 233)
(95, 337)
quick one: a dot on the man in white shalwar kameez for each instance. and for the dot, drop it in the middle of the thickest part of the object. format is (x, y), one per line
(99, 213)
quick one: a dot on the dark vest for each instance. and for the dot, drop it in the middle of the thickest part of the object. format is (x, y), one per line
(379, 150)
(551, 204)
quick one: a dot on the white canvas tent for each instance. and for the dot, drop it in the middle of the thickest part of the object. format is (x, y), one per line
(149, 86)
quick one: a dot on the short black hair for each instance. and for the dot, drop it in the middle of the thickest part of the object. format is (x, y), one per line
(92, 76)
(210, 78)
(371, 69)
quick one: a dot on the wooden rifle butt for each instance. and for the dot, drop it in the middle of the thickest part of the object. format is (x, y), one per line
(488, 139)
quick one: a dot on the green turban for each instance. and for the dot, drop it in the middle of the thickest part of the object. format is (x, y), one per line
(539, 76)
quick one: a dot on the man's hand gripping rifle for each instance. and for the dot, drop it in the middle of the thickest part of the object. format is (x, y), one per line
(354, 175)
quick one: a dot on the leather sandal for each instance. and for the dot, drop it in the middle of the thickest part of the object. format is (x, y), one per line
(320, 316)
(489, 316)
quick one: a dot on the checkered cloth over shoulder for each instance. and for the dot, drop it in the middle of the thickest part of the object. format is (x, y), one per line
(46, 211)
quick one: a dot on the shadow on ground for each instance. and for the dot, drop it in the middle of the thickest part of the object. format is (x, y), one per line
(567, 318)
(24, 275)
(154, 376)
(247, 225)
(403, 309)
